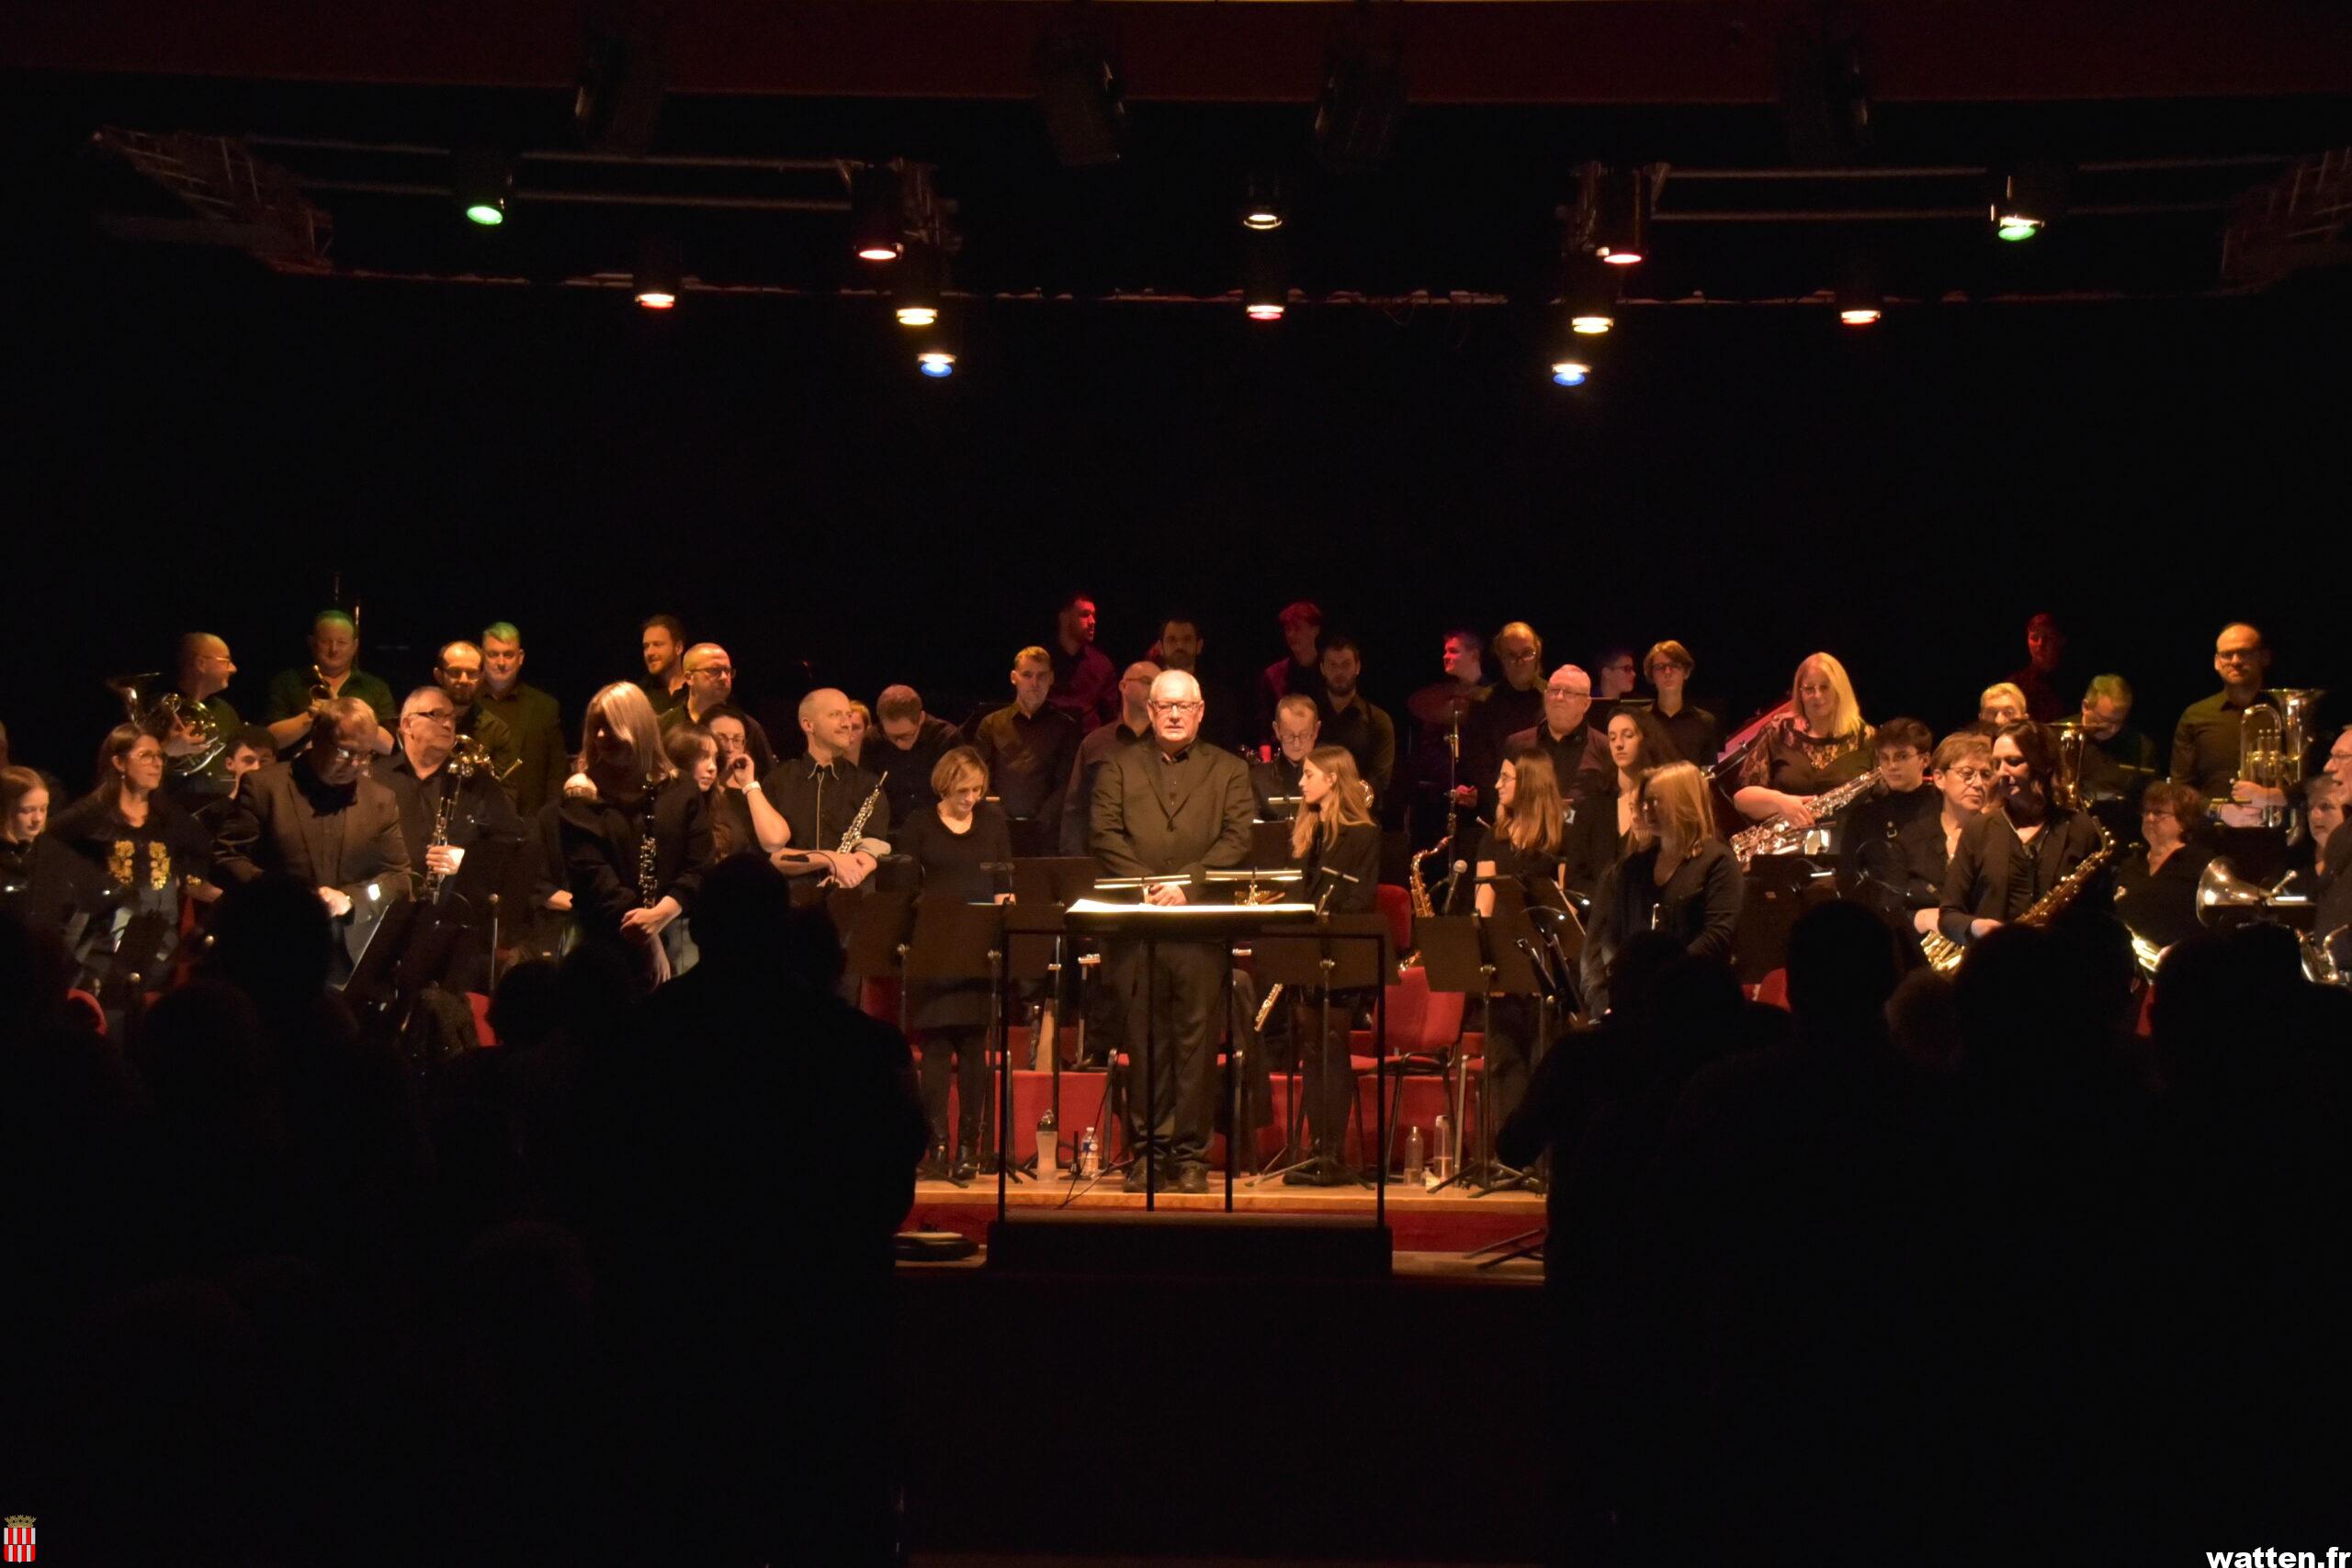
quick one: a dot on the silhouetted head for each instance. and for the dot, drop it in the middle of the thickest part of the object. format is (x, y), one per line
(743, 912)
(524, 1012)
(1842, 968)
(272, 940)
(35, 974)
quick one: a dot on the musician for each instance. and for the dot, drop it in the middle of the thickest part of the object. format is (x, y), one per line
(334, 672)
(319, 817)
(529, 713)
(693, 751)
(1174, 808)
(1697, 735)
(1613, 683)
(1027, 747)
(2019, 849)
(912, 744)
(955, 841)
(1575, 749)
(1134, 726)
(1527, 844)
(1514, 706)
(2322, 816)
(1085, 686)
(625, 794)
(861, 725)
(2156, 885)
(142, 844)
(249, 749)
(662, 641)
(2044, 680)
(1181, 646)
(2205, 742)
(1299, 672)
(1298, 727)
(1819, 744)
(457, 670)
(477, 810)
(1607, 811)
(1903, 877)
(1336, 844)
(2119, 762)
(42, 882)
(1997, 704)
(1679, 878)
(818, 795)
(201, 671)
(1351, 719)
(711, 686)
(1869, 826)
(2335, 863)
(2338, 765)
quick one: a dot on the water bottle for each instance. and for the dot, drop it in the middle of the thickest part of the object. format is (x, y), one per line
(1413, 1171)
(1441, 1160)
(1090, 1156)
(1049, 1150)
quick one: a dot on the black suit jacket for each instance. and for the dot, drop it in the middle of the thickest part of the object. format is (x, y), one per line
(1148, 820)
(269, 832)
(1994, 877)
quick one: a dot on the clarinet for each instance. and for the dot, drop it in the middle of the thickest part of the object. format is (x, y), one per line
(649, 881)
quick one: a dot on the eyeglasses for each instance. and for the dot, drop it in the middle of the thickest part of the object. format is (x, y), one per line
(346, 754)
(1525, 657)
(1182, 707)
(712, 670)
(1565, 692)
(1972, 775)
(434, 715)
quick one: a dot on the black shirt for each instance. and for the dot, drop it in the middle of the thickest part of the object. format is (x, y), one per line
(953, 863)
(142, 865)
(1535, 869)
(1698, 735)
(2161, 905)
(1277, 780)
(1370, 737)
(1355, 854)
(2205, 744)
(1028, 756)
(817, 802)
(1595, 842)
(1085, 686)
(479, 811)
(906, 774)
(46, 885)
(601, 842)
(1485, 735)
(1995, 875)
(1866, 835)
(1579, 757)
(2123, 766)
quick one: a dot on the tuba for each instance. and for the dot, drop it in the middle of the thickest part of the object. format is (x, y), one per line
(2066, 784)
(2262, 757)
(148, 704)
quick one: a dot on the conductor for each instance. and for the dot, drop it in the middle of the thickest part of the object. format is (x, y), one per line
(1173, 807)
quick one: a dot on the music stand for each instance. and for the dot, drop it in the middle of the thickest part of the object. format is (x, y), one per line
(1323, 960)
(1269, 843)
(872, 928)
(1034, 944)
(954, 940)
(1454, 959)
(1046, 882)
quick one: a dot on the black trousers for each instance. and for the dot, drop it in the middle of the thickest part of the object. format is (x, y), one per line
(1512, 1048)
(1331, 1080)
(968, 1049)
(1177, 992)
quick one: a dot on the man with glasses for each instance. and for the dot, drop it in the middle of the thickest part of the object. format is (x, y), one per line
(1898, 858)
(2205, 742)
(710, 685)
(2022, 846)
(1579, 752)
(320, 818)
(457, 670)
(1298, 726)
(1133, 725)
(420, 779)
(1173, 809)
(1515, 704)
(201, 669)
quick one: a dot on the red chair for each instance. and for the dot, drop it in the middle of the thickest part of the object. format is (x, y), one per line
(1424, 1035)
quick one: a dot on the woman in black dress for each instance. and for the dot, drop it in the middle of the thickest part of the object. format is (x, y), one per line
(2155, 888)
(635, 837)
(1819, 744)
(1526, 845)
(955, 843)
(1336, 845)
(42, 882)
(1680, 879)
(1608, 810)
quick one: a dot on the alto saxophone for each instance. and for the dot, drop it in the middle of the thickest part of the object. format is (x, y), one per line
(1780, 837)
(1944, 955)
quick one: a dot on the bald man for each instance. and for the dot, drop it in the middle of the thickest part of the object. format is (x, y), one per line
(710, 684)
(2205, 741)
(457, 670)
(1562, 733)
(818, 795)
(201, 671)
(1173, 806)
(1134, 724)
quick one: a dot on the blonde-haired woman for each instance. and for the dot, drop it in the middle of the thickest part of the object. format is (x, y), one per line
(955, 840)
(2001, 703)
(1336, 845)
(1526, 843)
(1819, 744)
(625, 795)
(1679, 878)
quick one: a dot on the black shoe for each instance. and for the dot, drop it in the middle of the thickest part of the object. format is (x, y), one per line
(1194, 1178)
(1137, 1178)
(1320, 1173)
(935, 1164)
(964, 1168)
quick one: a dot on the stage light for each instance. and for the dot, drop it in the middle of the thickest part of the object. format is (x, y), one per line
(1589, 295)
(1570, 372)
(660, 275)
(1262, 210)
(1621, 233)
(877, 214)
(1860, 304)
(2031, 196)
(1860, 315)
(1078, 94)
(1265, 275)
(482, 181)
(921, 279)
(936, 363)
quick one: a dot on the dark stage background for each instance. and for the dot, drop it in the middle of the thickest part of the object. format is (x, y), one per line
(198, 443)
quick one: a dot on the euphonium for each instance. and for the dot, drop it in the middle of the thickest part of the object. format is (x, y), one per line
(2262, 757)
(159, 715)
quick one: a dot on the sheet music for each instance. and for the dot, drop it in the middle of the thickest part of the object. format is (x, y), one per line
(1178, 911)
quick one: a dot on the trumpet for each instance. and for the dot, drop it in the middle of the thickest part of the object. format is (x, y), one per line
(161, 712)
(321, 691)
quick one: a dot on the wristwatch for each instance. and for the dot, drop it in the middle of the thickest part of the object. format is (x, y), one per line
(752, 786)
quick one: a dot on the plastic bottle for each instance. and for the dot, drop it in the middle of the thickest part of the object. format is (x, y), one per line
(1441, 1167)
(1413, 1169)
(1048, 1146)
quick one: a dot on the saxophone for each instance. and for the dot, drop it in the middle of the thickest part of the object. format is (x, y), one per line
(1944, 955)
(1782, 837)
(465, 759)
(856, 828)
